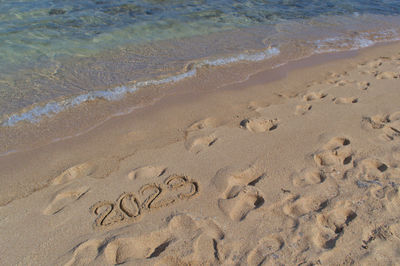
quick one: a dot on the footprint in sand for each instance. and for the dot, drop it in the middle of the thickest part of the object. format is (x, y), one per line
(64, 199)
(170, 244)
(336, 142)
(85, 253)
(77, 171)
(382, 245)
(237, 191)
(203, 124)
(367, 66)
(205, 250)
(240, 205)
(302, 109)
(341, 82)
(371, 67)
(377, 234)
(377, 121)
(345, 100)
(388, 125)
(391, 131)
(337, 79)
(198, 143)
(265, 248)
(257, 125)
(312, 96)
(335, 156)
(332, 224)
(389, 195)
(147, 172)
(297, 206)
(371, 169)
(308, 177)
(387, 75)
(200, 135)
(363, 85)
(98, 168)
(228, 181)
(395, 230)
(380, 68)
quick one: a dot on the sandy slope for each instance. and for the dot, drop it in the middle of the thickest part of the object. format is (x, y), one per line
(306, 173)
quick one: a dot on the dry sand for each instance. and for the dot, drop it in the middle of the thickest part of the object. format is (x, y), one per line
(301, 170)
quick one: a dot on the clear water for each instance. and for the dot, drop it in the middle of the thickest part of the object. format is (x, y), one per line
(57, 54)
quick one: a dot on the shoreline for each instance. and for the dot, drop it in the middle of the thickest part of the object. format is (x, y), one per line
(154, 94)
(293, 158)
(172, 96)
(71, 82)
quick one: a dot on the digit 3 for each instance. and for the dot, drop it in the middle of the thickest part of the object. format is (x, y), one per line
(176, 182)
(194, 188)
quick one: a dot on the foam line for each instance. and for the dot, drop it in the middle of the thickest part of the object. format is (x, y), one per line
(37, 113)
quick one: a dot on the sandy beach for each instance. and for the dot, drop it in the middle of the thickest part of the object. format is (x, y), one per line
(299, 165)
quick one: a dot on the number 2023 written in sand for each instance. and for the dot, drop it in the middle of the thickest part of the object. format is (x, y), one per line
(129, 208)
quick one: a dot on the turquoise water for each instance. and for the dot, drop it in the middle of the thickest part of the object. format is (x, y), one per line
(57, 54)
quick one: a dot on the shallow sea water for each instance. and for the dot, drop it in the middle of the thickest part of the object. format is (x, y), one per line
(57, 54)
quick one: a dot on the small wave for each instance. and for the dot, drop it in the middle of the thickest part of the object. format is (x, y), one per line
(362, 40)
(268, 53)
(51, 108)
(35, 114)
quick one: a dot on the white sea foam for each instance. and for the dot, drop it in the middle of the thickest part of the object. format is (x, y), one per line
(363, 40)
(268, 53)
(38, 112)
(51, 108)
